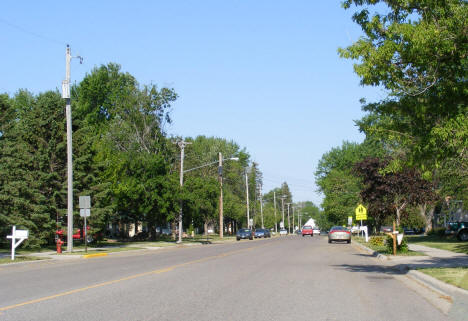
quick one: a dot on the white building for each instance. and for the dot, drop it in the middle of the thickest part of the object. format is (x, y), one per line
(310, 222)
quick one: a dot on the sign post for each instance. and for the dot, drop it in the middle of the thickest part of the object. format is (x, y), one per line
(361, 215)
(16, 234)
(85, 211)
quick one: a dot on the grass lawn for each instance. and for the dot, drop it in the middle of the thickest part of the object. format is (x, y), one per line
(382, 248)
(7, 260)
(440, 242)
(101, 250)
(455, 276)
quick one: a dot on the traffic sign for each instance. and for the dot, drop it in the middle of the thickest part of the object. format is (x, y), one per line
(85, 201)
(85, 212)
(361, 213)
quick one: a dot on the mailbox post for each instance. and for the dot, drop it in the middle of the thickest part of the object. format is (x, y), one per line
(16, 234)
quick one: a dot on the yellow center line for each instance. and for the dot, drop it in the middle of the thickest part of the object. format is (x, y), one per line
(131, 277)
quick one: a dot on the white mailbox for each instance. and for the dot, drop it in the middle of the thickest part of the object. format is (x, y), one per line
(19, 235)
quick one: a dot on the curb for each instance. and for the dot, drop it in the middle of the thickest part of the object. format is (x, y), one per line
(439, 285)
(87, 256)
(432, 283)
(374, 253)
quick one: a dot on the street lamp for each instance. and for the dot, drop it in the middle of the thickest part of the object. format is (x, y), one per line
(182, 172)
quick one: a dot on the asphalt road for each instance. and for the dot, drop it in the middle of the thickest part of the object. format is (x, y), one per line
(287, 278)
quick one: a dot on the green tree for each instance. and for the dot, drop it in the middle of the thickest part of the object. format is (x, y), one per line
(337, 182)
(417, 51)
(33, 177)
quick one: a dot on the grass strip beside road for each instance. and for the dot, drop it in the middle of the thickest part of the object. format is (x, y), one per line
(448, 243)
(7, 260)
(456, 276)
(382, 249)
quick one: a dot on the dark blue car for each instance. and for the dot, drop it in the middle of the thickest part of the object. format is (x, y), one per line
(244, 233)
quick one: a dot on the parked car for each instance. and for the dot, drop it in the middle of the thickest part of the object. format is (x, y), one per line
(261, 232)
(307, 230)
(386, 229)
(339, 233)
(459, 229)
(244, 233)
(316, 230)
(283, 231)
(408, 231)
(78, 235)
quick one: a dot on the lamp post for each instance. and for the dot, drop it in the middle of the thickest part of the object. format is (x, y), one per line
(282, 207)
(289, 221)
(182, 171)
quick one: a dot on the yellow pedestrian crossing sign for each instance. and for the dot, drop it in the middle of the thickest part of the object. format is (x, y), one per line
(361, 213)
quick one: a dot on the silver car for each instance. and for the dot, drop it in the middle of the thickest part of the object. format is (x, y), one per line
(339, 234)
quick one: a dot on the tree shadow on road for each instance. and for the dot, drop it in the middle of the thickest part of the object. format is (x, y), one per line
(402, 267)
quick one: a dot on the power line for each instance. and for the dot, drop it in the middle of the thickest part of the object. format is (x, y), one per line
(35, 34)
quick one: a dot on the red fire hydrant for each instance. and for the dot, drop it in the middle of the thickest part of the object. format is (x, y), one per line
(59, 246)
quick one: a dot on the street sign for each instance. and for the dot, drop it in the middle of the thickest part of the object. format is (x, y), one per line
(281, 224)
(85, 201)
(85, 212)
(361, 213)
(350, 220)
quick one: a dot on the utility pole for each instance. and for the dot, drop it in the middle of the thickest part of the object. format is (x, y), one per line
(220, 176)
(261, 205)
(182, 145)
(282, 206)
(274, 202)
(66, 96)
(293, 219)
(247, 196)
(289, 221)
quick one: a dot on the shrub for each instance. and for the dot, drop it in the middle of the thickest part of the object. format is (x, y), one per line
(402, 248)
(377, 240)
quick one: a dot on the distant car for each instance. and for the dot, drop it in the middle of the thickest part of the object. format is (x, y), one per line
(316, 230)
(283, 231)
(323, 232)
(307, 230)
(298, 232)
(386, 229)
(261, 232)
(408, 231)
(459, 229)
(244, 233)
(339, 234)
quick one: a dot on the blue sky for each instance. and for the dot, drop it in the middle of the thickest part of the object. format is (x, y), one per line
(265, 74)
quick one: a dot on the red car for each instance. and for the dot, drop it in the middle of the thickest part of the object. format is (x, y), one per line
(77, 235)
(307, 230)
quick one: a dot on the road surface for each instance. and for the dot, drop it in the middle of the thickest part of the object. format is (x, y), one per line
(283, 278)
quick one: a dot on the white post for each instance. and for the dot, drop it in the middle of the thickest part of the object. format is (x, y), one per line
(13, 241)
(247, 198)
(274, 202)
(66, 95)
(261, 205)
